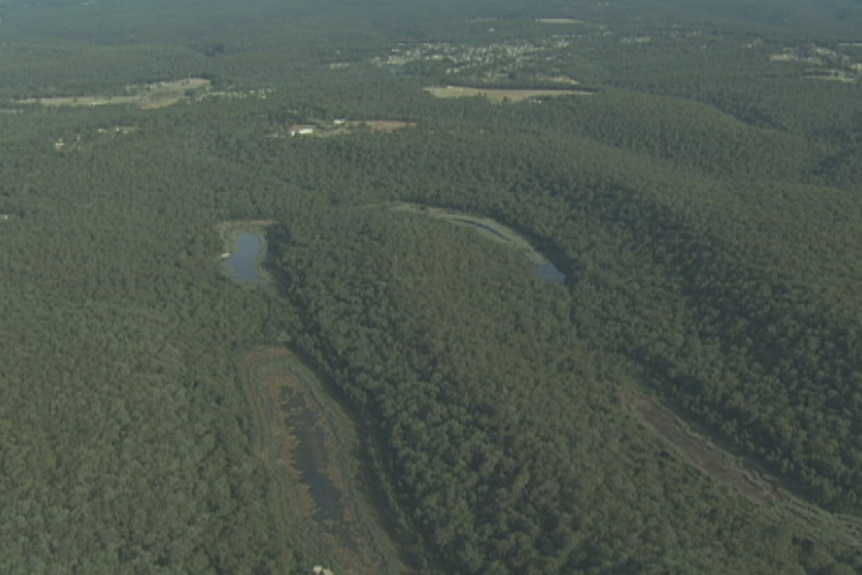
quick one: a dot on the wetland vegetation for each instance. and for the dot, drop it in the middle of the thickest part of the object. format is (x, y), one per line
(405, 393)
(315, 455)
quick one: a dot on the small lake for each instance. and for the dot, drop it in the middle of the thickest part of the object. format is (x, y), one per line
(547, 270)
(551, 272)
(242, 263)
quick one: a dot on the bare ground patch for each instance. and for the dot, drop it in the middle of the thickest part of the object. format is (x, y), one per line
(696, 449)
(498, 95)
(388, 125)
(561, 21)
(342, 127)
(145, 96)
(741, 475)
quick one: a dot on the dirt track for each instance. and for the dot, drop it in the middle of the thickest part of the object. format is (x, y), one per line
(741, 475)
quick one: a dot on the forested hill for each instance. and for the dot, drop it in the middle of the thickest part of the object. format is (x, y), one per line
(693, 173)
(666, 272)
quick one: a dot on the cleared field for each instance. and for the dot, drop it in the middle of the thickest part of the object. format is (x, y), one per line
(501, 94)
(560, 21)
(145, 96)
(388, 125)
(313, 451)
(341, 127)
(560, 80)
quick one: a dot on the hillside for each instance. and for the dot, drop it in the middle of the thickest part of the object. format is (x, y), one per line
(595, 311)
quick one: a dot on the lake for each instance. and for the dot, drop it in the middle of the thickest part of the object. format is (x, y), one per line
(546, 270)
(242, 263)
(551, 272)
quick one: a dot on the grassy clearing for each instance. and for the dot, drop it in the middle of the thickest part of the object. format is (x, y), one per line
(145, 96)
(744, 476)
(387, 125)
(563, 80)
(498, 95)
(303, 432)
(342, 127)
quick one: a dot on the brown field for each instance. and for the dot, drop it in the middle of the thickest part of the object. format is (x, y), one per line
(742, 475)
(145, 96)
(500, 94)
(312, 450)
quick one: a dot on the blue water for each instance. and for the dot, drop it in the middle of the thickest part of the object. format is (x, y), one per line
(241, 263)
(546, 271)
(551, 272)
(313, 459)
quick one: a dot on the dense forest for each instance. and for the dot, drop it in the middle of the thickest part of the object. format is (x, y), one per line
(692, 169)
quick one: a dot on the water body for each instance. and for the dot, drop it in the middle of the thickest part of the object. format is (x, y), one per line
(547, 270)
(242, 262)
(314, 451)
(551, 272)
(313, 459)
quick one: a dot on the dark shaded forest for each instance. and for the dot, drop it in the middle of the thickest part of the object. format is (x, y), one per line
(702, 201)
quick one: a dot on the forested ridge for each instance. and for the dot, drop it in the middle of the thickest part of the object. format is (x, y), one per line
(702, 203)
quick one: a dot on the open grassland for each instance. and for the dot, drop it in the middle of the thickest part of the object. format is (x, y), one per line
(145, 96)
(743, 476)
(313, 452)
(498, 95)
